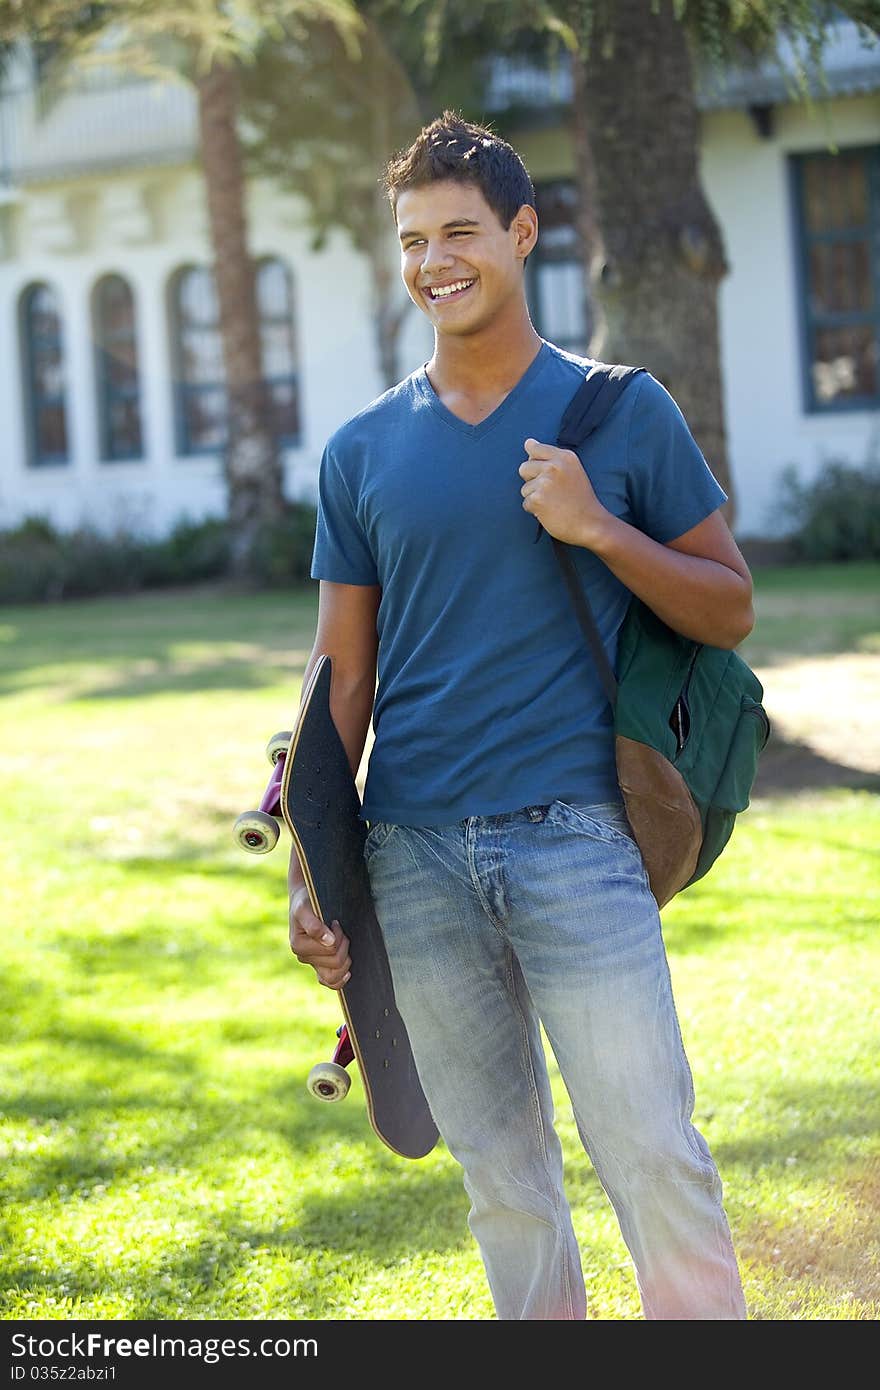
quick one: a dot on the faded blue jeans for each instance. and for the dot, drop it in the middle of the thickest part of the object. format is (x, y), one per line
(492, 924)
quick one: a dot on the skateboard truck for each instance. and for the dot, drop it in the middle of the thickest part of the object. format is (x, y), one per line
(330, 1080)
(257, 832)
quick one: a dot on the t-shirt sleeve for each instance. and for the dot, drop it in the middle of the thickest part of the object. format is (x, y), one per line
(341, 552)
(670, 485)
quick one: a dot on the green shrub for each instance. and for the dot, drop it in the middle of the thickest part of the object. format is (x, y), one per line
(283, 553)
(193, 551)
(837, 515)
(39, 563)
(31, 563)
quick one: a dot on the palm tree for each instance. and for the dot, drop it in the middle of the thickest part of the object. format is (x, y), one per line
(206, 43)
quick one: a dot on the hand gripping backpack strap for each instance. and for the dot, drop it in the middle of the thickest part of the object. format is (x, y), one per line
(584, 414)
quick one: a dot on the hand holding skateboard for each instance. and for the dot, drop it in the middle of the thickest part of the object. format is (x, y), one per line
(312, 789)
(318, 944)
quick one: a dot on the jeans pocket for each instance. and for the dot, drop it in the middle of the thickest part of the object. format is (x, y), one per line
(604, 821)
(379, 834)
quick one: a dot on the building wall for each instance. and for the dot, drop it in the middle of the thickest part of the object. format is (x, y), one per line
(148, 221)
(747, 181)
(145, 226)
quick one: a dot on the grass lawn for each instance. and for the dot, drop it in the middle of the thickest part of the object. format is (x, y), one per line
(161, 1158)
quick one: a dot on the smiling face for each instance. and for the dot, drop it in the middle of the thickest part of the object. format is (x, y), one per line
(461, 267)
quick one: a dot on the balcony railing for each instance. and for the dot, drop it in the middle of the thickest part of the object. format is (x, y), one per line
(105, 126)
(850, 61)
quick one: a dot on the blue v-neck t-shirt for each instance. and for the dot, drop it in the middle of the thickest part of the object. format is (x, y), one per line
(487, 699)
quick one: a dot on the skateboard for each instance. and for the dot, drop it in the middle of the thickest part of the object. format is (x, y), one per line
(311, 789)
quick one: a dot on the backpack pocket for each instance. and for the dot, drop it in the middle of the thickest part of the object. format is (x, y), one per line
(735, 783)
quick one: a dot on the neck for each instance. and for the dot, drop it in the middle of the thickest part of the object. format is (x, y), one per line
(492, 358)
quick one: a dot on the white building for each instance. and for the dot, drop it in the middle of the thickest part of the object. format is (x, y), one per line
(111, 390)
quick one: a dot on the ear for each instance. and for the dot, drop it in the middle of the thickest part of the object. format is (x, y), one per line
(525, 230)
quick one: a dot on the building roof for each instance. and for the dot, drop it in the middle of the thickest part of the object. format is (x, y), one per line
(850, 59)
(851, 62)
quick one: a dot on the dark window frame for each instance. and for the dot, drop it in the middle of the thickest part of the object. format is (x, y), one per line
(539, 258)
(35, 399)
(107, 391)
(810, 321)
(184, 390)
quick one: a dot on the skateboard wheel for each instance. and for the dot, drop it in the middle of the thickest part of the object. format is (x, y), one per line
(328, 1081)
(278, 744)
(256, 832)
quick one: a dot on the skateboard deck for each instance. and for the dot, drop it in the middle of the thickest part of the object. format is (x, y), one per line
(321, 806)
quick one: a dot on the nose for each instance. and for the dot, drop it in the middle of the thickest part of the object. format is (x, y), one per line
(435, 259)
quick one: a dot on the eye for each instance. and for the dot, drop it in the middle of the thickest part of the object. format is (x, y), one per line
(462, 233)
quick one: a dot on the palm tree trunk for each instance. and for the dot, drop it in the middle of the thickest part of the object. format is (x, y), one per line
(588, 212)
(385, 276)
(253, 461)
(664, 253)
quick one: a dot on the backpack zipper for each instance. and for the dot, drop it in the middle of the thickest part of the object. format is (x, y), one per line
(680, 708)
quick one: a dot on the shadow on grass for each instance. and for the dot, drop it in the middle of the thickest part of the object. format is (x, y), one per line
(170, 1128)
(427, 1215)
(135, 638)
(181, 858)
(174, 679)
(804, 1122)
(758, 916)
(788, 765)
(805, 837)
(397, 1209)
(827, 1259)
(152, 954)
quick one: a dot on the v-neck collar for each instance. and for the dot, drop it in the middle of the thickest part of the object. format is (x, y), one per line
(423, 383)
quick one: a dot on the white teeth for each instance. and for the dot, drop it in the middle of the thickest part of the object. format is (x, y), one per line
(441, 291)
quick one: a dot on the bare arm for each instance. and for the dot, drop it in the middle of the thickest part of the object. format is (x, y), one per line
(346, 632)
(699, 583)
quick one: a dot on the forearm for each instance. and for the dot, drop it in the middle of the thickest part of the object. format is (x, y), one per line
(699, 598)
(351, 707)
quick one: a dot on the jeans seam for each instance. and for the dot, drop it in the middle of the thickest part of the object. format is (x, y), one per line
(609, 831)
(478, 887)
(539, 1120)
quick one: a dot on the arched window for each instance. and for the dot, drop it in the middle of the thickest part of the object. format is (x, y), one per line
(198, 354)
(201, 393)
(116, 358)
(275, 305)
(44, 375)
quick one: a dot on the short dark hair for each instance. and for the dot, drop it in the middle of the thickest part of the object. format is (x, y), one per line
(451, 148)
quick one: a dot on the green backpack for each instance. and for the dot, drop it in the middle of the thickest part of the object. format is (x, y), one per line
(689, 724)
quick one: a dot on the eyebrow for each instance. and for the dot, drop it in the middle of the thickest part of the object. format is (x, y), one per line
(447, 226)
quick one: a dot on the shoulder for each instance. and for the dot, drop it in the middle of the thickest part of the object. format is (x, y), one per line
(569, 366)
(656, 413)
(373, 420)
(644, 388)
(652, 395)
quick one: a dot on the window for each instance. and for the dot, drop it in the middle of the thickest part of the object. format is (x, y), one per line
(119, 408)
(275, 306)
(837, 205)
(556, 278)
(44, 375)
(201, 388)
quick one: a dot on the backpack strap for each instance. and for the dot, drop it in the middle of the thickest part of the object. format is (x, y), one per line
(584, 414)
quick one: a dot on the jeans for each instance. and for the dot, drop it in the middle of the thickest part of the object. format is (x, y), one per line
(493, 924)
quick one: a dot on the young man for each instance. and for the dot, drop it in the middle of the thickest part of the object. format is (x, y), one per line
(507, 881)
